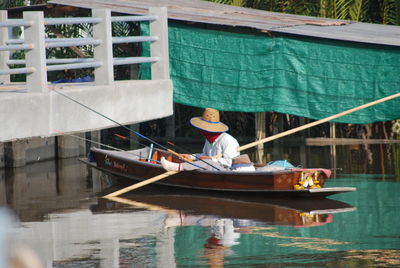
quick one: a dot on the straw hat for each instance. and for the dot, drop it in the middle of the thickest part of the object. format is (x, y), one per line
(209, 121)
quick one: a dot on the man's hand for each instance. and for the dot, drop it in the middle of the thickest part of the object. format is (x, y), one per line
(204, 157)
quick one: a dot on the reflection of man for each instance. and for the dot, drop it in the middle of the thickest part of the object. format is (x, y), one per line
(214, 252)
(225, 231)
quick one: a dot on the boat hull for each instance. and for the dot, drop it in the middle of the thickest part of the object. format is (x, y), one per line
(122, 164)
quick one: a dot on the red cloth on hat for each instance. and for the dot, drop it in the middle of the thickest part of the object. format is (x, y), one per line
(210, 136)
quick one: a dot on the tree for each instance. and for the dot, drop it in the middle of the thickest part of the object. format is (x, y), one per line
(375, 11)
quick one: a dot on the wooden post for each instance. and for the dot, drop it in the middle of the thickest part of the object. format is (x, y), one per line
(159, 48)
(332, 128)
(260, 134)
(170, 126)
(277, 150)
(134, 139)
(36, 57)
(4, 55)
(104, 75)
(303, 152)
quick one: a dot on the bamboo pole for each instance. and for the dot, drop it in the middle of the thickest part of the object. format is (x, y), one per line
(312, 124)
(137, 204)
(141, 184)
(252, 144)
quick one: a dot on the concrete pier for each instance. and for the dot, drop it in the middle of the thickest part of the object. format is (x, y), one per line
(70, 147)
(33, 113)
(25, 151)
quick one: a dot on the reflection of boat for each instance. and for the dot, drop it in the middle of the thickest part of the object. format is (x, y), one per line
(133, 165)
(293, 212)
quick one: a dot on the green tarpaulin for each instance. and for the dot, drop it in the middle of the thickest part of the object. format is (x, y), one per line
(313, 78)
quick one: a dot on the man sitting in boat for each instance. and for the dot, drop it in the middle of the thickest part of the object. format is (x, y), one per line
(217, 142)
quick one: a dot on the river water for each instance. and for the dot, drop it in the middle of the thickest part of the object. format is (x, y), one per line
(62, 219)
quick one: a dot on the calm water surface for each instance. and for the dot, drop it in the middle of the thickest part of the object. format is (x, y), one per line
(67, 225)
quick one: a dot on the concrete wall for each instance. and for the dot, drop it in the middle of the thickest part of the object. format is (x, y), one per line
(48, 110)
(28, 131)
(25, 115)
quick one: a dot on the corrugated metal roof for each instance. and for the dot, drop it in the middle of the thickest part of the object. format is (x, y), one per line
(212, 13)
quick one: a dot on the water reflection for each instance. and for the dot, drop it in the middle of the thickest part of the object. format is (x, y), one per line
(224, 219)
(36, 190)
(62, 219)
(194, 208)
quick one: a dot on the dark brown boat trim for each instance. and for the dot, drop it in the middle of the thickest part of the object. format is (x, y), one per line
(321, 192)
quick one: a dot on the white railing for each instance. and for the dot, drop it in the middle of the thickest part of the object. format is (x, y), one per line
(35, 44)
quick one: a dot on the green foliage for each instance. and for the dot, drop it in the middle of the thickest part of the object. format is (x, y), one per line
(69, 31)
(391, 12)
(238, 3)
(4, 4)
(376, 11)
(18, 77)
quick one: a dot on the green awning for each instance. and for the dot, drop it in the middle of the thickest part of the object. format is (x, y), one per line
(313, 78)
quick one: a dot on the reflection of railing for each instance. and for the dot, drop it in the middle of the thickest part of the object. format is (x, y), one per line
(35, 44)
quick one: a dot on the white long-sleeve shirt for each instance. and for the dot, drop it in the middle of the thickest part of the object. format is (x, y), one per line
(226, 145)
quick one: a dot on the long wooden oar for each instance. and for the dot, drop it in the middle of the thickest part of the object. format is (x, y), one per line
(312, 124)
(142, 183)
(252, 144)
(138, 204)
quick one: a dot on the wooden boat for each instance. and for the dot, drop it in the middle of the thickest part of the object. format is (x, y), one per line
(142, 164)
(191, 204)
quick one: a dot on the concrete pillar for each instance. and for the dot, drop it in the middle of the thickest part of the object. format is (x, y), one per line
(4, 55)
(159, 48)
(2, 164)
(133, 72)
(15, 153)
(97, 185)
(36, 57)
(70, 147)
(39, 149)
(96, 137)
(3, 189)
(104, 75)
(3, 193)
(21, 152)
(82, 145)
